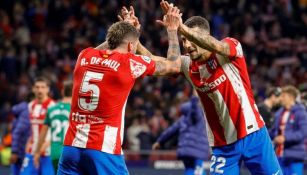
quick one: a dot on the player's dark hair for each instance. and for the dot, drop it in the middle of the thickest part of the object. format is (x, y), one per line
(293, 91)
(42, 79)
(67, 88)
(273, 91)
(198, 21)
(120, 31)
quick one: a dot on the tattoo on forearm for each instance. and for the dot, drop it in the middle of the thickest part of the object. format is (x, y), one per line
(173, 51)
(160, 68)
(142, 50)
(206, 41)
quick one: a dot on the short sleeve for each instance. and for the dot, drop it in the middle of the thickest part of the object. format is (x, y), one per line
(235, 47)
(47, 119)
(141, 66)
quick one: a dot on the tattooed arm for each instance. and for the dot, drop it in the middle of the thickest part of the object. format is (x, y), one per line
(171, 21)
(204, 40)
(173, 63)
(142, 50)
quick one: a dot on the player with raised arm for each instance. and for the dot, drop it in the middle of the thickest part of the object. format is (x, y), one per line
(57, 120)
(102, 82)
(217, 70)
(37, 110)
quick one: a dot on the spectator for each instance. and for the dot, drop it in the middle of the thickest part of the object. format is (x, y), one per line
(21, 132)
(289, 132)
(266, 108)
(192, 146)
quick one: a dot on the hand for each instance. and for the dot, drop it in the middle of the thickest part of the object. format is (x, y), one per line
(36, 160)
(156, 146)
(172, 19)
(14, 158)
(280, 139)
(129, 16)
(165, 6)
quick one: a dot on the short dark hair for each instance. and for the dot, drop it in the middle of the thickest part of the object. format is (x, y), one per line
(198, 21)
(67, 88)
(118, 32)
(42, 79)
(273, 91)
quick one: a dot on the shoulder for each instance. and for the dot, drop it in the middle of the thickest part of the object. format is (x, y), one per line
(300, 109)
(53, 107)
(235, 47)
(51, 102)
(141, 58)
(87, 50)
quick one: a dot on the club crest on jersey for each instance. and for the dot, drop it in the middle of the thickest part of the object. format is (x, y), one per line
(137, 69)
(212, 64)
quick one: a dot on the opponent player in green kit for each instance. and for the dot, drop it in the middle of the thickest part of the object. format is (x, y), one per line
(57, 119)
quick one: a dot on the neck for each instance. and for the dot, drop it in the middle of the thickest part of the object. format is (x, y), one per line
(289, 105)
(41, 100)
(66, 100)
(120, 50)
(205, 56)
(268, 103)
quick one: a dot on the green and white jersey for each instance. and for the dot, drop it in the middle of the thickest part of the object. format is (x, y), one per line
(57, 119)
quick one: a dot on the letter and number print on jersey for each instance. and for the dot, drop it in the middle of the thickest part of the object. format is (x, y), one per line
(59, 127)
(216, 164)
(89, 87)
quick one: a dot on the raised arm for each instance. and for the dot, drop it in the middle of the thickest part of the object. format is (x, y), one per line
(205, 40)
(142, 50)
(201, 38)
(164, 66)
(173, 63)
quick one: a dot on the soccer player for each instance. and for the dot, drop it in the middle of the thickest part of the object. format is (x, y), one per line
(57, 120)
(102, 82)
(217, 70)
(289, 132)
(37, 110)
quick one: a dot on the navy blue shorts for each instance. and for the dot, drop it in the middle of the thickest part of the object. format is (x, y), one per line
(255, 150)
(81, 161)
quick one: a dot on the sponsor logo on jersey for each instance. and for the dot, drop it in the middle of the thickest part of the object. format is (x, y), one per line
(137, 69)
(212, 85)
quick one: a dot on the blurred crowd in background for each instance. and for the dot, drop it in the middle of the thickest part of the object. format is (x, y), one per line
(44, 37)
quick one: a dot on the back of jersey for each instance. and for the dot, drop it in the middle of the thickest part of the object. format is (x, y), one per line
(101, 85)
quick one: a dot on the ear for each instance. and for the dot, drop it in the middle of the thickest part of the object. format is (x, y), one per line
(130, 47)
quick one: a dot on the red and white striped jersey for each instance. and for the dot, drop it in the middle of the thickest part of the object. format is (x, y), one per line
(223, 85)
(37, 114)
(101, 85)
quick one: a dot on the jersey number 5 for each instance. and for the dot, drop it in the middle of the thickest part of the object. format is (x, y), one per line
(89, 104)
